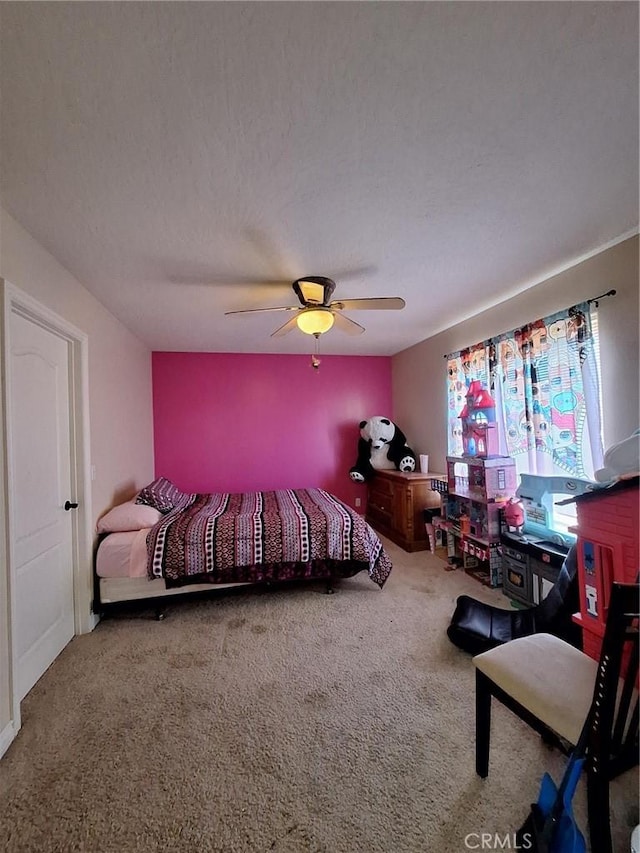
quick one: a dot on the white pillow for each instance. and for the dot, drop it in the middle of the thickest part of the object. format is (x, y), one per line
(128, 516)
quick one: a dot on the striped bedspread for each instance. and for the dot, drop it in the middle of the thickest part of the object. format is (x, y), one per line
(263, 536)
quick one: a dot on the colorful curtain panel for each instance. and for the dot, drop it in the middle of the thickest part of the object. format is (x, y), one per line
(462, 368)
(544, 380)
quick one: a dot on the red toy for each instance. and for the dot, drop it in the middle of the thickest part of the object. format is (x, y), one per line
(514, 515)
(608, 551)
(479, 434)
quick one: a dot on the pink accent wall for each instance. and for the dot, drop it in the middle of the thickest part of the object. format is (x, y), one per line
(235, 422)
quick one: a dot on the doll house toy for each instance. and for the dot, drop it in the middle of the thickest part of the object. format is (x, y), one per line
(479, 433)
(477, 489)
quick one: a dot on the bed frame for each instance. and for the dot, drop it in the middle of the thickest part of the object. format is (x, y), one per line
(111, 595)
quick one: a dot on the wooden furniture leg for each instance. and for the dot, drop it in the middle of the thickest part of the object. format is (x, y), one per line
(483, 724)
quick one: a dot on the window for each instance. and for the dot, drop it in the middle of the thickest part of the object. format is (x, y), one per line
(545, 381)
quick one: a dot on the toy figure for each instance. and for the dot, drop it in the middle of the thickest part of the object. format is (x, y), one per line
(514, 515)
(382, 446)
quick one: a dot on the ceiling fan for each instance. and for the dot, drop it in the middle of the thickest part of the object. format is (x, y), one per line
(318, 314)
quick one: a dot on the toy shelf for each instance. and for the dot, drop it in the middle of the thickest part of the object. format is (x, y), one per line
(487, 479)
(473, 538)
(474, 495)
(454, 529)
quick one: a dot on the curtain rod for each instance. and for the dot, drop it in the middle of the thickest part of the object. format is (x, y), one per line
(602, 296)
(594, 301)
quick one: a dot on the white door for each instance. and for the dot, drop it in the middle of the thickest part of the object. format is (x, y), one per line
(42, 530)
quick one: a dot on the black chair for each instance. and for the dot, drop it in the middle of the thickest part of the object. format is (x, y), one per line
(553, 687)
(476, 626)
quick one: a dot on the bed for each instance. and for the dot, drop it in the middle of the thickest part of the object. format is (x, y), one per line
(166, 543)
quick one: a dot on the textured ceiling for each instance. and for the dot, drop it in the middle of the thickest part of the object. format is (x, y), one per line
(179, 158)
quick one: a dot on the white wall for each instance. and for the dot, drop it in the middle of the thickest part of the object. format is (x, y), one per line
(418, 373)
(120, 403)
(6, 712)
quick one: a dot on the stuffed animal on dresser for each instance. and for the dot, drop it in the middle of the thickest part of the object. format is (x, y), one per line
(382, 447)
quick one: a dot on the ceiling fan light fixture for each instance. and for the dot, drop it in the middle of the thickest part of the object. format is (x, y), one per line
(314, 290)
(315, 321)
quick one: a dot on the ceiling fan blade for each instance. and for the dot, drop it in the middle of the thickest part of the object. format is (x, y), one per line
(283, 330)
(354, 272)
(262, 310)
(379, 303)
(345, 324)
(205, 280)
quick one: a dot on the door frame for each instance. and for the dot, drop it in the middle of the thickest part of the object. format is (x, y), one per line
(16, 301)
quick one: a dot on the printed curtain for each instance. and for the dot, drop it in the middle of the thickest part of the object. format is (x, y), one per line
(544, 381)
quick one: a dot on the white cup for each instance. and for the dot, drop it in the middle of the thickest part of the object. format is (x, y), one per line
(424, 463)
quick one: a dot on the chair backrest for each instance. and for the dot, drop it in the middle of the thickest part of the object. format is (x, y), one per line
(612, 744)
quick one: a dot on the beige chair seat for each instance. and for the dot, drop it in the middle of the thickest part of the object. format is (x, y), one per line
(589, 709)
(548, 677)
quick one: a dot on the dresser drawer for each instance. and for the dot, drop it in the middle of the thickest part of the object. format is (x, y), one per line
(378, 517)
(381, 505)
(383, 488)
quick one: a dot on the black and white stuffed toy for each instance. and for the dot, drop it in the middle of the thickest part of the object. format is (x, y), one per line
(382, 447)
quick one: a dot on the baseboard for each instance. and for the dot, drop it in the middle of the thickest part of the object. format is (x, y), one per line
(7, 736)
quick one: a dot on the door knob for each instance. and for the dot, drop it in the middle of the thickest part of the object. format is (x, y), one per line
(69, 505)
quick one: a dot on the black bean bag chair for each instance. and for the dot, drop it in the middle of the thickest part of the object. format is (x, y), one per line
(476, 627)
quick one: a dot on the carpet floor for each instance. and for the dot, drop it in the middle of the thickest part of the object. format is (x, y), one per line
(285, 720)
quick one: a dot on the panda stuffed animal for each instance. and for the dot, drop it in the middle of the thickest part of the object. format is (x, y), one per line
(382, 446)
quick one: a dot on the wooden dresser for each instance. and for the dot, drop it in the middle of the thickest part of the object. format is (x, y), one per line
(394, 506)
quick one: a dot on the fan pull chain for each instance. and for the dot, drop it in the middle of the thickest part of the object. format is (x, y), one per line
(315, 358)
